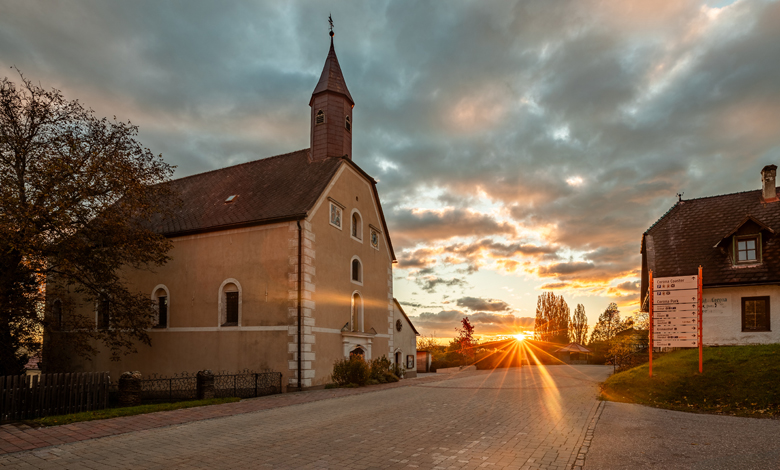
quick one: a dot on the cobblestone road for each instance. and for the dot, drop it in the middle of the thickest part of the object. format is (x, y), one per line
(525, 418)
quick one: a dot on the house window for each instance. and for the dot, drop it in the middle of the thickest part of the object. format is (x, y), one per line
(348, 124)
(335, 215)
(357, 271)
(357, 226)
(356, 313)
(103, 313)
(755, 314)
(320, 117)
(56, 313)
(747, 249)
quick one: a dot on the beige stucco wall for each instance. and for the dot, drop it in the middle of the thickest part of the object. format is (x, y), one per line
(722, 316)
(256, 258)
(334, 251)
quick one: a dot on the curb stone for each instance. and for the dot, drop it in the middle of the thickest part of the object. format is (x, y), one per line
(583, 452)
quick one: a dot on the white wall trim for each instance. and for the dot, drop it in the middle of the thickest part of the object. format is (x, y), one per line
(221, 307)
(374, 200)
(193, 329)
(324, 196)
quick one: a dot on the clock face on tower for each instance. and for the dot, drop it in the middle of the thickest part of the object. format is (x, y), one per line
(398, 325)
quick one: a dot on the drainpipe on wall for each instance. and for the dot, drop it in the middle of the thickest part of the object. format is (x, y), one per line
(300, 286)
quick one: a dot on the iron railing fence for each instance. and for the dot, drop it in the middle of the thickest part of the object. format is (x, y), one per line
(248, 385)
(181, 387)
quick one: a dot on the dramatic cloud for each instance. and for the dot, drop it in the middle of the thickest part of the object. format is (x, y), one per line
(491, 305)
(527, 144)
(485, 323)
(430, 283)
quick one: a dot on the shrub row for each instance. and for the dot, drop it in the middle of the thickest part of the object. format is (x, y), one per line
(355, 371)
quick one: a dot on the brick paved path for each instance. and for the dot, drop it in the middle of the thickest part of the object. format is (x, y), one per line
(516, 418)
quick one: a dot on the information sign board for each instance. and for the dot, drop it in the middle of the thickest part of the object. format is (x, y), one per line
(675, 313)
(683, 343)
(676, 282)
(673, 297)
(683, 307)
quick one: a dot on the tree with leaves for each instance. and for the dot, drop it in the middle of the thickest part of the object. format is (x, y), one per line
(608, 325)
(578, 326)
(552, 319)
(466, 344)
(427, 343)
(77, 198)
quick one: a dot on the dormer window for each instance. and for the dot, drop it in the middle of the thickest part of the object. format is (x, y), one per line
(320, 117)
(231, 198)
(747, 249)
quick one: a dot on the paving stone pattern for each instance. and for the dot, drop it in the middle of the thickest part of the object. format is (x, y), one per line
(529, 418)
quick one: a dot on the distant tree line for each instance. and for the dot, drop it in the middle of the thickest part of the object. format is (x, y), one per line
(555, 324)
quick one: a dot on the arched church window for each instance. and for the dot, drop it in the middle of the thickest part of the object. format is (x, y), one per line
(320, 117)
(348, 124)
(357, 226)
(357, 271)
(356, 313)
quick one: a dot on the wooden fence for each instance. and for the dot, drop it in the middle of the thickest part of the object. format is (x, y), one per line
(24, 397)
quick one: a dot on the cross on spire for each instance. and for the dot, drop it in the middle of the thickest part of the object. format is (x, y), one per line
(330, 21)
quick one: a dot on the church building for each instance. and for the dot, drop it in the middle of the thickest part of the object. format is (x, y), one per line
(283, 263)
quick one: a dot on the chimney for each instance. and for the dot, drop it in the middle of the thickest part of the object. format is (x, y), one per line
(768, 192)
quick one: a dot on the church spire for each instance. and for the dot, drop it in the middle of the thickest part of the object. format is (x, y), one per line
(331, 110)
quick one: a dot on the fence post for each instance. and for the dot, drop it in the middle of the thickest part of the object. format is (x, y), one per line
(204, 384)
(130, 389)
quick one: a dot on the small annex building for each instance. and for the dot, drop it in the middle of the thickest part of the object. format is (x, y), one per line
(734, 237)
(405, 341)
(283, 263)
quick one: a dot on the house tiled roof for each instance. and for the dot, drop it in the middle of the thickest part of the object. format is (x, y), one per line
(331, 78)
(690, 234)
(278, 188)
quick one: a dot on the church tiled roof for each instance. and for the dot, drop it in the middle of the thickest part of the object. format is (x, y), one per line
(278, 188)
(331, 78)
(691, 232)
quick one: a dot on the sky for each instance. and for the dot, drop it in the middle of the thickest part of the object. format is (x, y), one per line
(520, 147)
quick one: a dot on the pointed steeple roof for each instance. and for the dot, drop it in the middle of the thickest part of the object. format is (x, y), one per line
(331, 78)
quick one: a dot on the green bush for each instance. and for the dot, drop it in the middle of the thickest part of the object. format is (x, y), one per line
(379, 367)
(351, 371)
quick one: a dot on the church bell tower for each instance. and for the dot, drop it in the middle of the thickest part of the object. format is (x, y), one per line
(331, 112)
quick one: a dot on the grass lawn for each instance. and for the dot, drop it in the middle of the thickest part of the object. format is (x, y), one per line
(737, 380)
(129, 411)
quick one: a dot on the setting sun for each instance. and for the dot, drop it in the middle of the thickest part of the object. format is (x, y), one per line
(521, 336)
